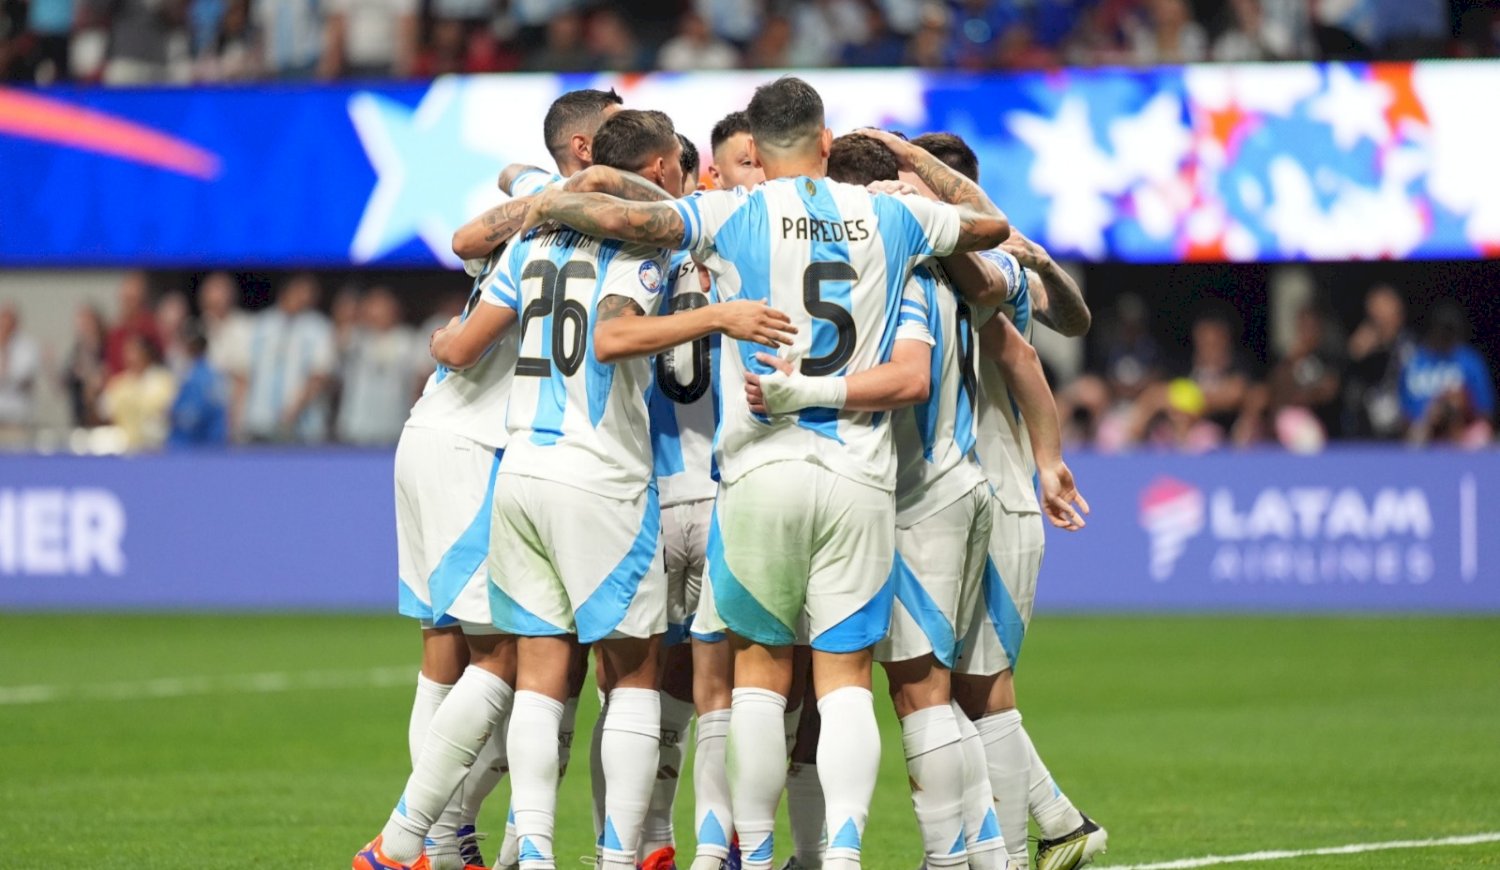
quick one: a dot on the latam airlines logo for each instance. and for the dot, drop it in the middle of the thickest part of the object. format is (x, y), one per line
(1293, 534)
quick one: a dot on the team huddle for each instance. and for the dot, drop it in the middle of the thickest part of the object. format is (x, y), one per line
(741, 443)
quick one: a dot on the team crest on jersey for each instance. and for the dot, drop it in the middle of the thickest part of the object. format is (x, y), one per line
(650, 275)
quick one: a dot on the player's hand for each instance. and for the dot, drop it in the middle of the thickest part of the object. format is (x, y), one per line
(753, 320)
(898, 146)
(894, 188)
(1059, 495)
(1028, 253)
(755, 389)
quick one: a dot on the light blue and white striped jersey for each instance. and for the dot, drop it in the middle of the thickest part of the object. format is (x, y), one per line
(684, 403)
(286, 351)
(571, 418)
(472, 402)
(1004, 444)
(532, 181)
(935, 462)
(835, 258)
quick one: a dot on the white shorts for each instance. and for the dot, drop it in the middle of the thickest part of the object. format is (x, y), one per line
(567, 561)
(940, 564)
(444, 487)
(993, 642)
(684, 535)
(791, 539)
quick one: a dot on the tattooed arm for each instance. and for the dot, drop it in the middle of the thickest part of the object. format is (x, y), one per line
(609, 217)
(623, 331)
(482, 235)
(1059, 304)
(982, 225)
(616, 182)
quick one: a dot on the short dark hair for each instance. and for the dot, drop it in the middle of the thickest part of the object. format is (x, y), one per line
(575, 112)
(953, 151)
(631, 137)
(690, 161)
(785, 113)
(857, 159)
(731, 125)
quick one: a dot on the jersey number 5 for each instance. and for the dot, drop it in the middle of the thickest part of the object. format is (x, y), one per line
(817, 273)
(567, 350)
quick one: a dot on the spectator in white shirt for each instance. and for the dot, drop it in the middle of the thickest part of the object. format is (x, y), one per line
(378, 373)
(19, 362)
(365, 39)
(227, 328)
(291, 361)
(695, 47)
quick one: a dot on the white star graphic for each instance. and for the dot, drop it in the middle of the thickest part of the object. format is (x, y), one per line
(1354, 109)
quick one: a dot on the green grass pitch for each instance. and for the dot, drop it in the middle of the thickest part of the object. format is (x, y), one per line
(1185, 736)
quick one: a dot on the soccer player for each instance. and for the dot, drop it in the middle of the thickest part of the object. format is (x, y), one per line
(1016, 447)
(733, 166)
(805, 518)
(582, 464)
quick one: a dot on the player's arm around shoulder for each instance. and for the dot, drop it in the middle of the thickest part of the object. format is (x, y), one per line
(981, 224)
(1056, 297)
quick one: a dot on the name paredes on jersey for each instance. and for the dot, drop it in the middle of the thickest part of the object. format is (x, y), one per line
(811, 229)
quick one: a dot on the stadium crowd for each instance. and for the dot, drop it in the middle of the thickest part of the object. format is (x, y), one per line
(147, 41)
(189, 369)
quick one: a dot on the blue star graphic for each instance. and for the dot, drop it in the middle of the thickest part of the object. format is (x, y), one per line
(424, 170)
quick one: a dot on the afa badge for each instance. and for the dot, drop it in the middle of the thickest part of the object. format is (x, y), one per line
(650, 275)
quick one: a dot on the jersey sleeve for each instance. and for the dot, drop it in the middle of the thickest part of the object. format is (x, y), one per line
(1016, 280)
(532, 181)
(914, 321)
(499, 288)
(703, 214)
(935, 225)
(639, 276)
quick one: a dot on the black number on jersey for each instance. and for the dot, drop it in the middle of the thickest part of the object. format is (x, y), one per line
(567, 348)
(812, 298)
(967, 338)
(666, 377)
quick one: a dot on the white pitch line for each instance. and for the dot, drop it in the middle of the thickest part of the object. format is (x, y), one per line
(1279, 854)
(178, 687)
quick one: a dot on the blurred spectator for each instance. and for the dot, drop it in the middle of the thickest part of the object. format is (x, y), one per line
(224, 324)
(133, 319)
(1410, 29)
(1166, 33)
(772, 48)
(613, 45)
(231, 55)
(1265, 30)
(368, 39)
(735, 20)
(564, 50)
(20, 361)
(1378, 351)
(171, 318)
(1447, 393)
(84, 371)
(291, 36)
(1018, 49)
(695, 47)
(51, 25)
(928, 48)
(147, 40)
(1099, 409)
(378, 373)
(1220, 388)
(878, 46)
(1183, 426)
(137, 398)
(200, 413)
(1309, 378)
(1345, 29)
(977, 26)
(291, 361)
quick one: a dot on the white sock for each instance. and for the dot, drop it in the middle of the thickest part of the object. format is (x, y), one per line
(807, 813)
(531, 743)
(1055, 815)
(848, 763)
(565, 735)
(632, 736)
(711, 816)
(596, 770)
(1010, 771)
(424, 706)
(757, 771)
(510, 847)
(656, 831)
(791, 720)
(471, 712)
(489, 768)
(935, 763)
(982, 837)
